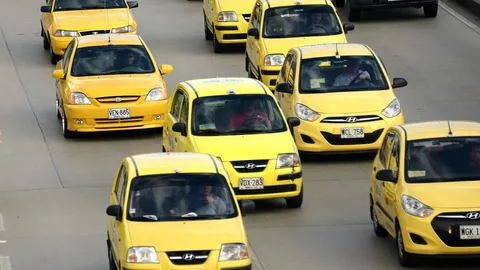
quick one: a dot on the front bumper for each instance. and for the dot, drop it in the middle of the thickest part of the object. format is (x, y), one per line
(325, 137)
(232, 32)
(94, 118)
(438, 236)
(278, 183)
(386, 4)
(269, 75)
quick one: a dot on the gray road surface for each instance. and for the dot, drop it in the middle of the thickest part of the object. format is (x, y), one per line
(54, 192)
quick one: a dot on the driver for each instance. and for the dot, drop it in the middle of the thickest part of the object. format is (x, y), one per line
(318, 26)
(204, 202)
(127, 59)
(474, 164)
(352, 72)
(249, 113)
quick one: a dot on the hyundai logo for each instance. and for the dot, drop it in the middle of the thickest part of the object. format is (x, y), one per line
(250, 166)
(117, 99)
(188, 257)
(352, 119)
(473, 215)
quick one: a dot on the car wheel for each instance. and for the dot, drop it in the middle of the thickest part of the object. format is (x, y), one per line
(54, 58)
(430, 10)
(406, 259)
(297, 201)
(377, 228)
(339, 3)
(111, 261)
(217, 46)
(249, 71)
(66, 132)
(208, 33)
(46, 44)
(354, 15)
(57, 108)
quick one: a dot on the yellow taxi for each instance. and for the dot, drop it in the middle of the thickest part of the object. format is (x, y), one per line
(424, 189)
(62, 20)
(110, 82)
(175, 211)
(225, 22)
(238, 121)
(342, 95)
(279, 25)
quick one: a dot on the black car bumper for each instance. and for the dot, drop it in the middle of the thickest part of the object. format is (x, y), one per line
(387, 4)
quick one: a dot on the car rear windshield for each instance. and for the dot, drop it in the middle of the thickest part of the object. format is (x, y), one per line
(111, 60)
(300, 21)
(443, 160)
(66, 5)
(331, 74)
(236, 115)
(182, 196)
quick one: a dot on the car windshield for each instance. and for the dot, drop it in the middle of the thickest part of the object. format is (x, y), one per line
(348, 73)
(111, 60)
(182, 196)
(300, 21)
(443, 160)
(236, 115)
(65, 5)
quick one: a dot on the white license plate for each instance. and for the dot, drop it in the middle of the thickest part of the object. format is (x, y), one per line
(352, 133)
(250, 183)
(118, 113)
(469, 232)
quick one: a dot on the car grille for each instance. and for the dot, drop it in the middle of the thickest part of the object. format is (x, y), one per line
(447, 227)
(94, 32)
(267, 190)
(188, 257)
(246, 17)
(118, 121)
(352, 119)
(121, 99)
(250, 166)
(334, 139)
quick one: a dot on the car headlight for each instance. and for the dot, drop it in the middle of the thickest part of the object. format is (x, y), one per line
(274, 60)
(77, 98)
(227, 16)
(305, 113)
(156, 94)
(415, 207)
(123, 29)
(142, 255)
(393, 109)
(66, 33)
(233, 252)
(288, 161)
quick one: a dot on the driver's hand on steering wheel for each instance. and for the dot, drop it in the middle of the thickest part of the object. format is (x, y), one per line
(363, 76)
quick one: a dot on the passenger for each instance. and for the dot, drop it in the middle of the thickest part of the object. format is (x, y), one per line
(353, 70)
(249, 115)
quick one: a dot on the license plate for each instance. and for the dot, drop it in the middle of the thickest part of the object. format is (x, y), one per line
(469, 232)
(250, 183)
(119, 113)
(352, 133)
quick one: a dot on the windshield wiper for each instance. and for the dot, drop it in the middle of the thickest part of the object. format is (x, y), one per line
(145, 218)
(211, 132)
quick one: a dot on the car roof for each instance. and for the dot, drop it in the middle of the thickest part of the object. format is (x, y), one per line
(325, 50)
(170, 162)
(220, 86)
(439, 129)
(281, 3)
(103, 40)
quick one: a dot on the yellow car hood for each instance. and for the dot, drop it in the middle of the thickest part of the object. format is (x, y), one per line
(188, 235)
(239, 6)
(348, 102)
(118, 85)
(461, 194)
(246, 147)
(282, 45)
(98, 19)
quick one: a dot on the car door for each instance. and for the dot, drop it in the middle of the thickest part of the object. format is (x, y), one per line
(117, 230)
(47, 18)
(61, 84)
(389, 188)
(208, 6)
(182, 141)
(172, 118)
(253, 44)
(282, 77)
(381, 162)
(290, 78)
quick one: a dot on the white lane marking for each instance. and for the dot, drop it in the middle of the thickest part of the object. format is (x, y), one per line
(5, 263)
(459, 17)
(2, 227)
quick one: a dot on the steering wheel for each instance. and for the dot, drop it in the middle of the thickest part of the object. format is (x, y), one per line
(354, 81)
(312, 27)
(251, 122)
(132, 68)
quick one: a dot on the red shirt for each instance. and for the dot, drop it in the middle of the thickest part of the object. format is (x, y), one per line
(238, 119)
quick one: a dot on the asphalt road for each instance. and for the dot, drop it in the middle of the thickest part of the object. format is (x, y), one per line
(53, 192)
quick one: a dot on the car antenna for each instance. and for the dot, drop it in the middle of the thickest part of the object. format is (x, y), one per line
(450, 133)
(337, 55)
(108, 22)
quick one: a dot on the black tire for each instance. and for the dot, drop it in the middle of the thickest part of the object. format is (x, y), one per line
(57, 108)
(405, 259)
(46, 43)
(297, 201)
(208, 33)
(377, 228)
(111, 262)
(430, 10)
(354, 15)
(66, 133)
(163, 149)
(54, 58)
(339, 3)
(249, 71)
(217, 46)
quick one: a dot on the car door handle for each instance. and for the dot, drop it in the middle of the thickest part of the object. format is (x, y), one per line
(175, 139)
(383, 183)
(374, 169)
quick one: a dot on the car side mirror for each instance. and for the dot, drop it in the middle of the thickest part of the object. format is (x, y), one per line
(58, 74)
(399, 82)
(132, 4)
(45, 9)
(386, 175)
(293, 122)
(180, 127)
(115, 211)
(348, 27)
(166, 69)
(254, 33)
(284, 88)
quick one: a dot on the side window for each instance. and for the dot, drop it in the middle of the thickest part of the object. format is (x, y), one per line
(385, 150)
(177, 102)
(120, 182)
(285, 67)
(385, 67)
(124, 188)
(49, 2)
(67, 55)
(254, 17)
(293, 63)
(395, 155)
(184, 111)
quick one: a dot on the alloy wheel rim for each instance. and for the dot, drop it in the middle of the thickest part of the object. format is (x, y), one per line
(375, 220)
(63, 125)
(56, 105)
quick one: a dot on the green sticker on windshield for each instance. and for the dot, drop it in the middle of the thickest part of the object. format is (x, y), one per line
(316, 83)
(207, 126)
(416, 173)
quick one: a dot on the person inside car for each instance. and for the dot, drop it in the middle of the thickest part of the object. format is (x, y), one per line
(249, 116)
(353, 72)
(203, 201)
